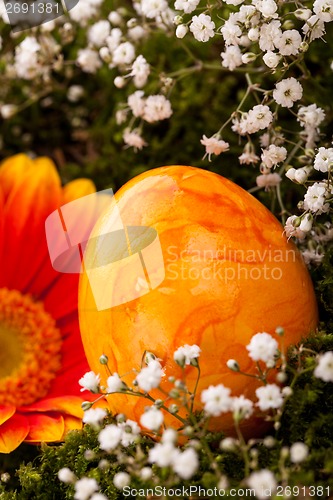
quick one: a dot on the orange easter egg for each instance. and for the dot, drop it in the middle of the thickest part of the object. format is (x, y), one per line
(194, 259)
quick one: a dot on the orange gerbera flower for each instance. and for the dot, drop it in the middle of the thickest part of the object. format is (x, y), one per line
(41, 355)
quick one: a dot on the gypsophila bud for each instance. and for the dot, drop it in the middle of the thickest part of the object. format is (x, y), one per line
(303, 14)
(173, 409)
(287, 391)
(119, 82)
(86, 405)
(104, 359)
(131, 23)
(269, 442)
(233, 365)
(248, 57)
(121, 418)
(158, 403)
(281, 377)
(181, 31)
(277, 425)
(304, 47)
(177, 20)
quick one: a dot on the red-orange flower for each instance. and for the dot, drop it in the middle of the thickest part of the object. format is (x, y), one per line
(41, 355)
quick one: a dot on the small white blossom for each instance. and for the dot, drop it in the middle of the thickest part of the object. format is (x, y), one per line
(228, 444)
(324, 10)
(124, 54)
(114, 384)
(169, 435)
(94, 416)
(66, 475)
(134, 139)
(323, 160)
(121, 479)
(131, 431)
(185, 355)
(268, 180)
(301, 175)
(98, 33)
(267, 8)
(98, 496)
(187, 6)
(110, 437)
(310, 116)
(162, 454)
(270, 33)
(259, 117)
(298, 452)
(202, 27)
(74, 93)
(8, 110)
(231, 33)
(291, 230)
(324, 368)
(241, 407)
(115, 18)
(216, 400)
(263, 347)
(152, 419)
(84, 488)
(314, 28)
(269, 396)
(287, 91)
(273, 155)
(271, 59)
(153, 8)
(157, 107)
(146, 473)
(150, 376)
(231, 57)
(140, 71)
(315, 198)
(306, 223)
(214, 145)
(113, 40)
(185, 463)
(261, 482)
(137, 103)
(289, 43)
(89, 60)
(90, 382)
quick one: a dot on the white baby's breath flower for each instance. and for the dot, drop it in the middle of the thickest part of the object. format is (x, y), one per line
(268, 180)
(114, 384)
(298, 452)
(84, 488)
(324, 10)
(185, 463)
(241, 407)
(314, 28)
(123, 54)
(169, 435)
(216, 400)
(292, 230)
(287, 92)
(90, 382)
(74, 93)
(324, 368)
(94, 416)
(273, 155)
(140, 71)
(153, 8)
(310, 116)
(228, 444)
(187, 6)
(270, 33)
(121, 480)
(214, 145)
(152, 419)
(65, 475)
(324, 160)
(315, 198)
(131, 431)
(259, 117)
(133, 139)
(110, 437)
(150, 376)
(157, 107)
(306, 223)
(98, 33)
(261, 482)
(89, 60)
(231, 57)
(162, 454)
(187, 354)
(271, 59)
(289, 43)
(202, 27)
(269, 397)
(263, 347)
(136, 102)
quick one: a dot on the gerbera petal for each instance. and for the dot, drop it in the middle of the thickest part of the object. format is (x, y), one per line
(77, 189)
(66, 287)
(28, 204)
(72, 423)
(12, 170)
(70, 405)
(6, 412)
(13, 432)
(45, 428)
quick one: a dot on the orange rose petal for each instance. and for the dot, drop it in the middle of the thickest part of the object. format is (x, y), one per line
(30, 201)
(45, 428)
(13, 433)
(77, 189)
(70, 405)
(6, 412)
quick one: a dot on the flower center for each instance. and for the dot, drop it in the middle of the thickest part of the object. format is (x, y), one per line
(30, 352)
